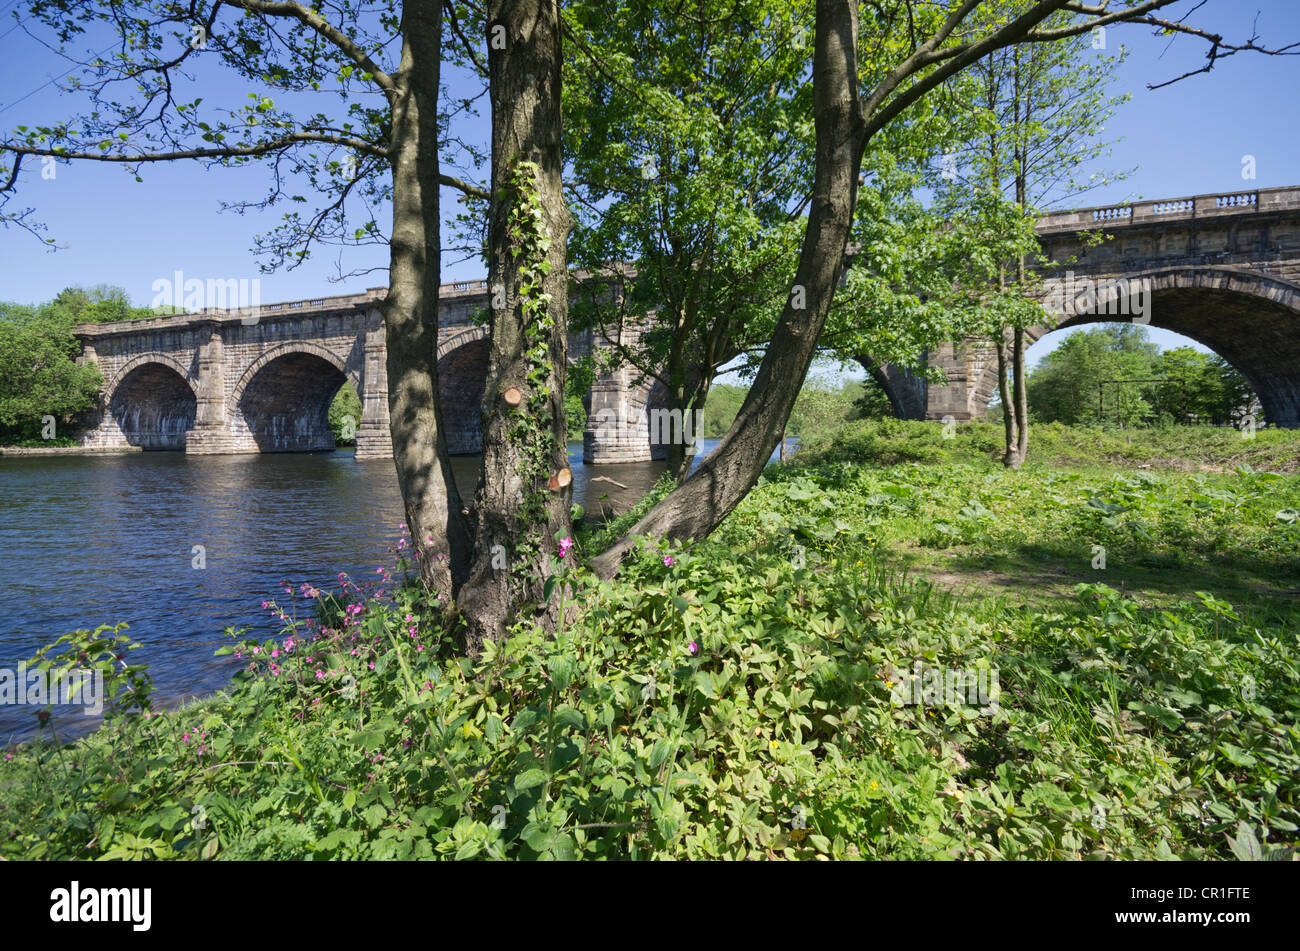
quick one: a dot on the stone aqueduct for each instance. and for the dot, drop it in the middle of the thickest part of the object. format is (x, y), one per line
(1222, 269)
(235, 381)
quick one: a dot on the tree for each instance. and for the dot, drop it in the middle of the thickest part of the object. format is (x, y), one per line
(692, 169)
(1046, 106)
(99, 304)
(524, 491)
(1198, 387)
(39, 375)
(387, 152)
(1078, 381)
(925, 46)
(390, 152)
(824, 405)
(344, 414)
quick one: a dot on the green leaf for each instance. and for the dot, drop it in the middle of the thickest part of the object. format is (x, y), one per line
(1244, 845)
(659, 753)
(530, 778)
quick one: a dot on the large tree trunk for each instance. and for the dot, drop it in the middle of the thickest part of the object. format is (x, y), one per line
(433, 508)
(523, 494)
(699, 504)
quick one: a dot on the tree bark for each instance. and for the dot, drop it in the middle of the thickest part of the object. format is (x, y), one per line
(516, 513)
(1021, 396)
(683, 403)
(1008, 409)
(439, 534)
(699, 504)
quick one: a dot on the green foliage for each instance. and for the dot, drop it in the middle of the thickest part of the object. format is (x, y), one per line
(739, 698)
(721, 408)
(127, 688)
(1077, 382)
(575, 418)
(1188, 448)
(821, 408)
(345, 414)
(99, 304)
(39, 375)
(1198, 387)
(688, 169)
(530, 428)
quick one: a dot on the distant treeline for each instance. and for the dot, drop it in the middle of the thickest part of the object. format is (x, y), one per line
(823, 405)
(40, 380)
(1115, 374)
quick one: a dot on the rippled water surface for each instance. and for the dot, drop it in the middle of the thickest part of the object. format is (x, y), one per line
(89, 540)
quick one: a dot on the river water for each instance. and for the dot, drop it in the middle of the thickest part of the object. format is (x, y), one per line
(90, 540)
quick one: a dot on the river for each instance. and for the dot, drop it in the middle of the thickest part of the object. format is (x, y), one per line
(90, 540)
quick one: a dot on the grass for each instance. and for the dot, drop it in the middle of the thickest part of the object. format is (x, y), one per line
(752, 695)
(1166, 531)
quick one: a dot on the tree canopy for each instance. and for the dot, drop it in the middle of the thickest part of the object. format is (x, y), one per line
(1116, 374)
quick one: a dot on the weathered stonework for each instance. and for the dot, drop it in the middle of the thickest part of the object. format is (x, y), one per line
(1222, 269)
(236, 381)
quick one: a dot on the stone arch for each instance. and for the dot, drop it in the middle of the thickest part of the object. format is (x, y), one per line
(152, 401)
(463, 362)
(1252, 320)
(460, 338)
(654, 400)
(281, 401)
(140, 360)
(287, 349)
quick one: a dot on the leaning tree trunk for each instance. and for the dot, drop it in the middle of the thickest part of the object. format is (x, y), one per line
(433, 508)
(699, 504)
(524, 489)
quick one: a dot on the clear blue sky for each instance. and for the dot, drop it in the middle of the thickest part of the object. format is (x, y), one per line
(1186, 139)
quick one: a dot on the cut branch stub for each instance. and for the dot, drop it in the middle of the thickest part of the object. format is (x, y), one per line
(513, 395)
(560, 480)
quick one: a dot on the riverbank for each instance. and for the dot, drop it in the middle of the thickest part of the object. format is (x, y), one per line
(753, 696)
(68, 450)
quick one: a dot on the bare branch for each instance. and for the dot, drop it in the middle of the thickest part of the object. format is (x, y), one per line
(261, 148)
(313, 20)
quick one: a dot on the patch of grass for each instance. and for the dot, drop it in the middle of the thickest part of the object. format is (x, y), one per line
(1189, 448)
